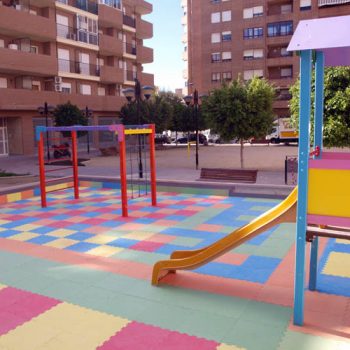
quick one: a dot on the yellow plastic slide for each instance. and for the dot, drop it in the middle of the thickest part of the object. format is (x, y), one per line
(191, 259)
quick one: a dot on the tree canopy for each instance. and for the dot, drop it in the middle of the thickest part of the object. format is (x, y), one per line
(336, 132)
(68, 114)
(241, 110)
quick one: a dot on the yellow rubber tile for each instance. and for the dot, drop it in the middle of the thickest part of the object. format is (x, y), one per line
(65, 326)
(338, 265)
(104, 250)
(343, 241)
(27, 227)
(2, 286)
(25, 236)
(100, 239)
(61, 243)
(228, 347)
(61, 233)
(2, 222)
(138, 235)
(14, 197)
(3, 229)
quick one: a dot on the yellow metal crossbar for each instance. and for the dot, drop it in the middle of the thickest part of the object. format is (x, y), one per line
(136, 131)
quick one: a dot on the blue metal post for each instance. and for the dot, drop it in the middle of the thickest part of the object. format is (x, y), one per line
(318, 141)
(304, 146)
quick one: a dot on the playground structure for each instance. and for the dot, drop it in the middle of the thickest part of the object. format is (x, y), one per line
(323, 192)
(121, 132)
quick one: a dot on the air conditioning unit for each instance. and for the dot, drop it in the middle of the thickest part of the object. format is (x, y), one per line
(58, 87)
(58, 80)
(13, 46)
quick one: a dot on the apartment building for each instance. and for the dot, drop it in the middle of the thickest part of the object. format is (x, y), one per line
(81, 51)
(225, 39)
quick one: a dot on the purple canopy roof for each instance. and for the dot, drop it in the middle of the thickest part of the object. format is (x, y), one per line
(330, 35)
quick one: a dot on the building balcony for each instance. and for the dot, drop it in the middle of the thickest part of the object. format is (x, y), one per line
(144, 29)
(129, 49)
(23, 24)
(80, 70)
(23, 99)
(280, 104)
(84, 5)
(111, 75)
(147, 79)
(129, 21)
(20, 62)
(280, 61)
(144, 54)
(110, 17)
(110, 46)
(142, 7)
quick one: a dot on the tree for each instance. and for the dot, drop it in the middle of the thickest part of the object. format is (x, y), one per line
(69, 115)
(336, 132)
(241, 110)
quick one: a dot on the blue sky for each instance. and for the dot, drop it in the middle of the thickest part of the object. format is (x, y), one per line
(166, 43)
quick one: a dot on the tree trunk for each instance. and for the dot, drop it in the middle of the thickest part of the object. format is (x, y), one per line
(242, 145)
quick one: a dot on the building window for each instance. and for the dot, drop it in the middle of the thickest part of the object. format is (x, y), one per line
(226, 16)
(287, 72)
(226, 76)
(226, 36)
(253, 54)
(101, 91)
(66, 88)
(215, 17)
(286, 53)
(252, 33)
(3, 83)
(215, 38)
(215, 77)
(215, 1)
(286, 9)
(252, 12)
(250, 74)
(87, 30)
(85, 89)
(215, 57)
(280, 29)
(305, 5)
(226, 56)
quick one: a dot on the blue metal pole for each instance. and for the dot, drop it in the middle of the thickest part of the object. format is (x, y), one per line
(304, 146)
(318, 141)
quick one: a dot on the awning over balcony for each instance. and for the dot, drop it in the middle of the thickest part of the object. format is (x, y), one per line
(332, 2)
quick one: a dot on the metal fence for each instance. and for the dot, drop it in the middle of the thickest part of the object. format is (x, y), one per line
(291, 170)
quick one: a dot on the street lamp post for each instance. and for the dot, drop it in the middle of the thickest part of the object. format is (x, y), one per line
(88, 113)
(46, 110)
(137, 94)
(188, 99)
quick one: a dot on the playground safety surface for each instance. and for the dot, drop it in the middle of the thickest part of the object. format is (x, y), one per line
(76, 275)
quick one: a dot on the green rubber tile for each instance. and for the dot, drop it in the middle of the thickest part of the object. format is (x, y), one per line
(64, 290)
(139, 256)
(261, 208)
(248, 249)
(255, 335)
(228, 229)
(186, 241)
(246, 217)
(293, 340)
(272, 251)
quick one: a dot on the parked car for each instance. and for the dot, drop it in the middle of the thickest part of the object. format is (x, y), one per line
(201, 138)
(161, 139)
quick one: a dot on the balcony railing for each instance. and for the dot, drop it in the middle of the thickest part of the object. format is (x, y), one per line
(77, 34)
(129, 21)
(130, 75)
(130, 49)
(78, 67)
(117, 4)
(84, 5)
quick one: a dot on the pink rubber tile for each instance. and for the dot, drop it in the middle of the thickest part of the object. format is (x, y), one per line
(139, 213)
(167, 211)
(107, 216)
(195, 208)
(187, 202)
(44, 222)
(276, 295)
(147, 246)
(161, 238)
(321, 302)
(232, 258)
(60, 224)
(131, 226)
(186, 212)
(76, 219)
(221, 206)
(156, 216)
(144, 337)
(17, 307)
(209, 228)
(15, 217)
(166, 223)
(96, 229)
(94, 221)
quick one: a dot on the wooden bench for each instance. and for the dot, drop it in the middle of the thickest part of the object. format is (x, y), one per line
(235, 175)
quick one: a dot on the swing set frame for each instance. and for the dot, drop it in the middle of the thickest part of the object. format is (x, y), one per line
(121, 132)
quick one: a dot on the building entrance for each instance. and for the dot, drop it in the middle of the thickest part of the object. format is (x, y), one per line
(4, 149)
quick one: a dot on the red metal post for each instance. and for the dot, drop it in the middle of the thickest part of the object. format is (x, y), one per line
(153, 166)
(75, 164)
(42, 171)
(123, 183)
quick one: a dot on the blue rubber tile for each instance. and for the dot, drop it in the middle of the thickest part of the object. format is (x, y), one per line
(177, 206)
(82, 247)
(261, 262)
(89, 215)
(149, 209)
(42, 239)
(169, 248)
(80, 236)
(145, 221)
(261, 238)
(177, 217)
(60, 217)
(112, 223)
(44, 229)
(9, 233)
(19, 222)
(193, 233)
(78, 227)
(123, 242)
